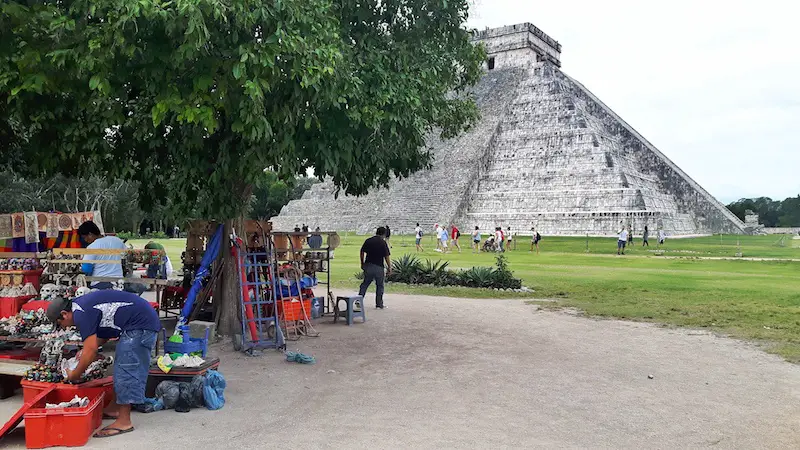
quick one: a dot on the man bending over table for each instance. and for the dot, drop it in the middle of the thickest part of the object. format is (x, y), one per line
(100, 316)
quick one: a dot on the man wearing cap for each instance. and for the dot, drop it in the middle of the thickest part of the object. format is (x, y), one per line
(100, 316)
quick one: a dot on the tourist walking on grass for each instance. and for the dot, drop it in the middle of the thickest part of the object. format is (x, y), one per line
(374, 253)
(418, 238)
(476, 240)
(437, 231)
(509, 239)
(455, 234)
(535, 238)
(499, 239)
(443, 239)
(630, 235)
(645, 237)
(661, 237)
(623, 239)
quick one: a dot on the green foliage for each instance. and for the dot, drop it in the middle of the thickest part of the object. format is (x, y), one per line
(270, 194)
(502, 275)
(406, 269)
(477, 277)
(196, 98)
(771, 213)
(409, 269)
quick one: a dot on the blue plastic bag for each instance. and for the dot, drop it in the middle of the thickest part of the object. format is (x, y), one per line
(213, 389)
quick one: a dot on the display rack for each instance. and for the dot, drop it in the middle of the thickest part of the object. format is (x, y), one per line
(293, 248)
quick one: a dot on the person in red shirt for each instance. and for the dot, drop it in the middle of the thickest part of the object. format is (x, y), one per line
(454, 235)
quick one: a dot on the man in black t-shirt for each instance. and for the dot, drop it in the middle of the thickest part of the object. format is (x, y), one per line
(373, 254)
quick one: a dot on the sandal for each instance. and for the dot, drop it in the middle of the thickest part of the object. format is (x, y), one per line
(118, 432)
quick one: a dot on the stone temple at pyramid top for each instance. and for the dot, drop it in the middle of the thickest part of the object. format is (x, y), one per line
(512, 45)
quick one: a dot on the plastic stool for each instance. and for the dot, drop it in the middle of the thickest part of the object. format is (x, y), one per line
(350, 314)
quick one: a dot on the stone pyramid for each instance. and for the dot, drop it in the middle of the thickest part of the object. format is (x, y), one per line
(546, 153)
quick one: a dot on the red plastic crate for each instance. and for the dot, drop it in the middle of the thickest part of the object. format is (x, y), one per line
(89, 389)
(294, 310)
(68, 427)
(10, 306)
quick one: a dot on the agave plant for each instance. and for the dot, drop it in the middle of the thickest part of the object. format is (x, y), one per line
(477, 277)
(406, 269)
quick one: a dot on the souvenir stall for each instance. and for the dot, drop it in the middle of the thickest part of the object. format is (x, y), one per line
(26, 239)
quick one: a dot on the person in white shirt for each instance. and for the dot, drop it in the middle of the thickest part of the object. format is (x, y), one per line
(661, 237)
(418, 238)
(623, 239)
(90, 234)
(498, 239)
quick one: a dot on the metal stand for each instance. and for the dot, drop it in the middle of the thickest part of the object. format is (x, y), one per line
(259, 310)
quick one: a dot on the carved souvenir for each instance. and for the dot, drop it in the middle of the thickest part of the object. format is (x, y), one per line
(52, 226)
(64, 222)
(41, 221)
(18, 225)
(5, 226)
(31, 228)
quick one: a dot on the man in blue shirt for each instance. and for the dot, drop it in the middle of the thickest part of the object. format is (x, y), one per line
(103, 315)
(89, 233)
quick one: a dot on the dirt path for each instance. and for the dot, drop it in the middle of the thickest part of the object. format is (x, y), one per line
(433, 372)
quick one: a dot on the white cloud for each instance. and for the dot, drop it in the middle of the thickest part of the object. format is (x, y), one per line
(714, 85)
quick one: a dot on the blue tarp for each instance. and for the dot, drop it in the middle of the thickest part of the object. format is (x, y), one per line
(212, 250)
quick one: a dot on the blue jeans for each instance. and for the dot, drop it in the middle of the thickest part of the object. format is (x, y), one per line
(374, 273)
(132, 364)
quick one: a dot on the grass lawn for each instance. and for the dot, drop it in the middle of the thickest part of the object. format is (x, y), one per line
(755, 300)
(173, 247)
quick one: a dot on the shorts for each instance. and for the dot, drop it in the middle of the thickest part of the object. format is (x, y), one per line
(418, 240)
(621, 244)
(444, 243)
(132, 364)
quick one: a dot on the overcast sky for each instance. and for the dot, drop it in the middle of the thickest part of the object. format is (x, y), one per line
(714, 85)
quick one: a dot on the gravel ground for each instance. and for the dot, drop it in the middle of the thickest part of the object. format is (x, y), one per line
(432, 372)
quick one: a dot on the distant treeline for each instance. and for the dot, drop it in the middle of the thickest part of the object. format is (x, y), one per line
(771, 213)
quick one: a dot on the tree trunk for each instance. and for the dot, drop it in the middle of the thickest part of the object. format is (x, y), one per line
(227, 290)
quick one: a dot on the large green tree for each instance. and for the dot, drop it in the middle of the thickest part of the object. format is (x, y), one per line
(201, 95)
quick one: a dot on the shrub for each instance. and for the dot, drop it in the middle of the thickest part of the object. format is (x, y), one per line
(477, 277)
(410, 269)
(502, 277)
(406, 269)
